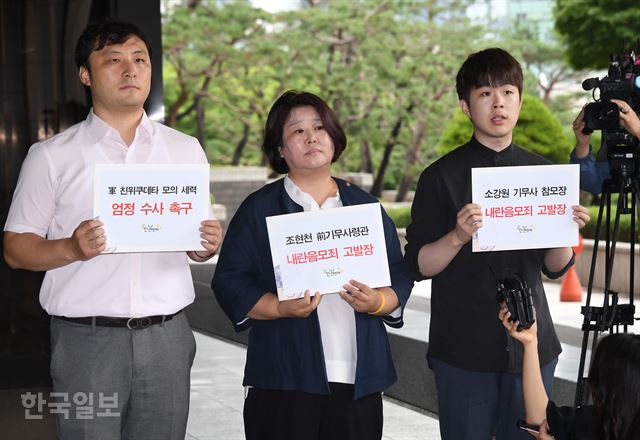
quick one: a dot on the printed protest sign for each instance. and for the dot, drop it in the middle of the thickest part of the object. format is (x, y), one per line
(526, 207)
(322, 250)
(151, 207)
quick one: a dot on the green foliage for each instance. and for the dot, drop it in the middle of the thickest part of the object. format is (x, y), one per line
(537, 130)
(400, 216)
(378, 64)
(457, 132)
(589, 231)
(386, 67)
(540, 131)
(542, 58)
(593, 29)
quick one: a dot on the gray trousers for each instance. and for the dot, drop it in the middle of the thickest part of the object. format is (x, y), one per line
(115, 383)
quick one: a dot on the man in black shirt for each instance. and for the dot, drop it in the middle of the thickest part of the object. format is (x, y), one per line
(477, 366)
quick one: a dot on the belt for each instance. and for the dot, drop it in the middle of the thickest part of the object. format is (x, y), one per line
(130, 323)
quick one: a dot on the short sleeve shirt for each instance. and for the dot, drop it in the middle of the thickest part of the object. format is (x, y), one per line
(54, 194)
(464, 330)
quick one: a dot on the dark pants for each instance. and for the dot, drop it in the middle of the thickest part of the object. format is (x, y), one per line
(121, 383)
(294, 415)
(476, 406)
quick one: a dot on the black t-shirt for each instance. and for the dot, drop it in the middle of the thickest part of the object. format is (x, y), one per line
(465, 331)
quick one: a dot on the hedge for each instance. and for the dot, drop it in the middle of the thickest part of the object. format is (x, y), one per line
(589, 231)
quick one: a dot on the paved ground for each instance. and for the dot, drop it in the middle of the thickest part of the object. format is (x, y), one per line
(217, 394)
(217, 399)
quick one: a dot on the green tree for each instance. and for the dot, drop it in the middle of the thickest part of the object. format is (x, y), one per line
(594, 29)
(205, 50)
(537, 130)
(543, 60)
(386, 67)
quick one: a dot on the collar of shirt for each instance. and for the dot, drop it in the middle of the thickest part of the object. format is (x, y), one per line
(496, 157)
(113, 145)
(305, 200)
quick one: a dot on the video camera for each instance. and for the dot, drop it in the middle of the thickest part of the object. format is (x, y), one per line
(623, 83)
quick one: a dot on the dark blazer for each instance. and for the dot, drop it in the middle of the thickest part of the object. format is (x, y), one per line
(286, 353)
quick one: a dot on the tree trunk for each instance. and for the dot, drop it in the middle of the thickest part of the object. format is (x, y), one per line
(172, 110)
(410, 161)
(366, 166)
(200, 123)
(237, 154)
(376, 189)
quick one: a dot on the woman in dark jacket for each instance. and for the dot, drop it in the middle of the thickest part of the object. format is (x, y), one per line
(316, 366)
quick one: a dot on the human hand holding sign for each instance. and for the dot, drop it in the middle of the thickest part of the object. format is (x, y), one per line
(468, 221)
(361, 297)
(88, 240)
(299, 308)
(211, 234)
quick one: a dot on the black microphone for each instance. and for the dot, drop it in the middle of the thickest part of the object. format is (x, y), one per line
(590, 83)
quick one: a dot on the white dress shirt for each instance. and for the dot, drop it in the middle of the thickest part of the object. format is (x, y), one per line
(337, 318)
(54, 194)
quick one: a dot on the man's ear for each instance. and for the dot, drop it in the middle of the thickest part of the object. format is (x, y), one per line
(465, 107)
(85, 76)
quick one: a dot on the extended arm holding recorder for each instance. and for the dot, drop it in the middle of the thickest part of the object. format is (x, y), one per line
(535, 396)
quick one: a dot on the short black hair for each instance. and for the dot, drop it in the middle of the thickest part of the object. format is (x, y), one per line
(493, 67)
(278, 115)
(106, 32)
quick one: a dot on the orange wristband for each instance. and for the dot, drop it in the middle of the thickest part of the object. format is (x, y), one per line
(383, 302)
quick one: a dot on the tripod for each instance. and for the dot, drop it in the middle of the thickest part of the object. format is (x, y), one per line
(612, 316)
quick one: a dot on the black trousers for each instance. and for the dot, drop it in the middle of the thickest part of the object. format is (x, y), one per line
(294, 415)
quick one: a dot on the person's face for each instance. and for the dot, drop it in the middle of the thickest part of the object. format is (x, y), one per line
(494, 112)
(120, 75)
(306, 144)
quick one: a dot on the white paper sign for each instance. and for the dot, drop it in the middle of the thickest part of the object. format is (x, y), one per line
(526, 207)
(151, 207)
(322, 250)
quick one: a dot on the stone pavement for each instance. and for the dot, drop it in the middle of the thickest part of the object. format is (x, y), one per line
(217, 398)
(217, 394)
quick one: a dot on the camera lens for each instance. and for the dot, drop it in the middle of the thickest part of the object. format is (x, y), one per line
(601, 116)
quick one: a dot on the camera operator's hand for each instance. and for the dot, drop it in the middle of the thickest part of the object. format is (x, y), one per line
(628, 118)
(468, 221)
(582, 140)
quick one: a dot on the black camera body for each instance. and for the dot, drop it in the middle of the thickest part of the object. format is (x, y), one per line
(517, 296)
(623, 83)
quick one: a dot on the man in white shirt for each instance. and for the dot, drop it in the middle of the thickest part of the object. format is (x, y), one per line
(121, 348)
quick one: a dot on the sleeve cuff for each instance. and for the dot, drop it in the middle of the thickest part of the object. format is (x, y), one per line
(555, 275)
(581, 160)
